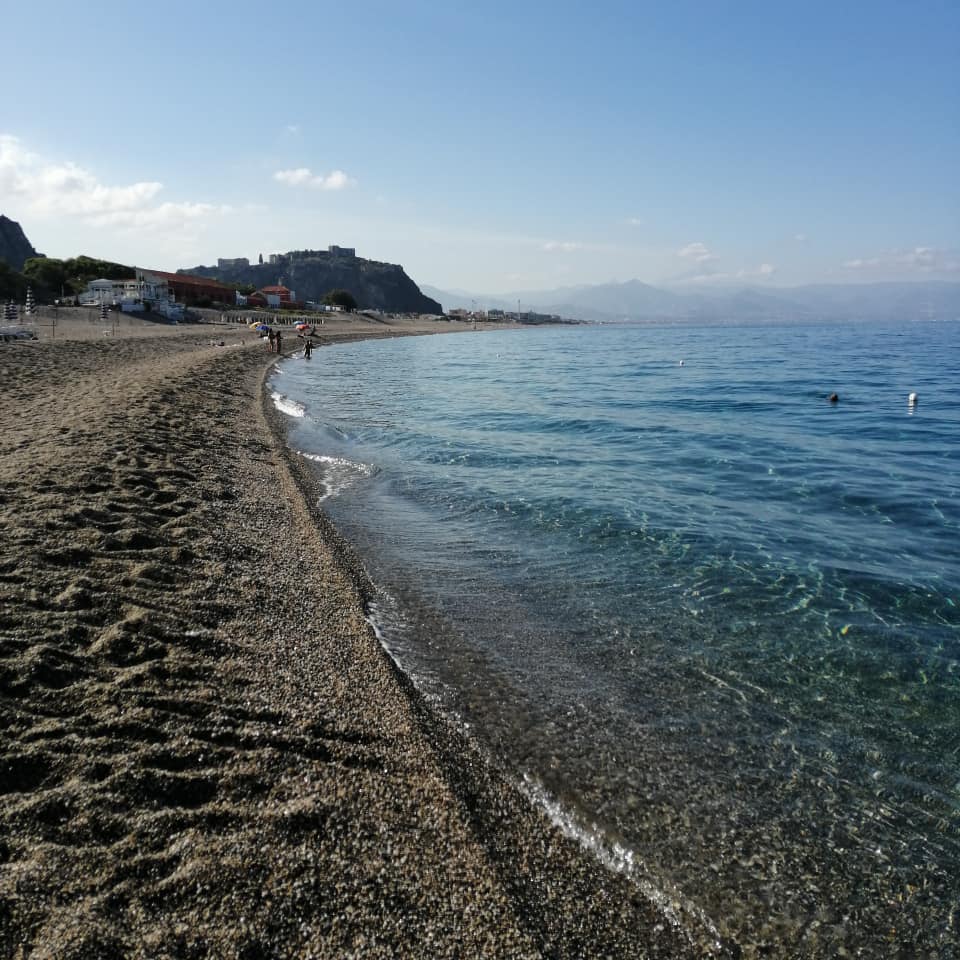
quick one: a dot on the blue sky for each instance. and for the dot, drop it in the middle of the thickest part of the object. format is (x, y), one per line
(493, 146)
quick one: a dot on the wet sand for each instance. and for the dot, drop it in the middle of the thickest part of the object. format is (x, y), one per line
(204, 752)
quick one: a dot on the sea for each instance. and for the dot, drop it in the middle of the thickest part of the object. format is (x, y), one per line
(707, 618)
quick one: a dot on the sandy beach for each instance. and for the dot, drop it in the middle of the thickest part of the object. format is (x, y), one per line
(204, 751)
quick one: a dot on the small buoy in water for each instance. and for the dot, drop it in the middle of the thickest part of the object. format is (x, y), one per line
(833, 398)
(913, 398)
(681, 363)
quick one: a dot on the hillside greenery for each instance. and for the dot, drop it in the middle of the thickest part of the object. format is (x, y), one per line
(52, 278)
(341, 298)
(13, 286)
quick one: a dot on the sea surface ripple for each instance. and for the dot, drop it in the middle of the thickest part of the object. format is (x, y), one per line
(680, 595)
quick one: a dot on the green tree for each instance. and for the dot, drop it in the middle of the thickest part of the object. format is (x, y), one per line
(244, 288)
(81, 270)
(47, 276)
(12, 284)
(341, 298)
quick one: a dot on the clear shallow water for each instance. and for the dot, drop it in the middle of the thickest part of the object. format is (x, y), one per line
(708, 615)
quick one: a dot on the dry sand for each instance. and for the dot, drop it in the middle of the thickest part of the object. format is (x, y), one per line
(204, 752)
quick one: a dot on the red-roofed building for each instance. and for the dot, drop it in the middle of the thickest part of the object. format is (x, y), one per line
(277, 296)
(189, 289)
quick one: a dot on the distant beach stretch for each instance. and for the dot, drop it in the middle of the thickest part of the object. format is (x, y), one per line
(205, 750)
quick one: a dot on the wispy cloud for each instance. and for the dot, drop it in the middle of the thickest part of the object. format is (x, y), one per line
(55, 189)
(697, 252)
(556, 246)
(292, 128)
(171, 215)
(800, 237)
(763, 272)
(922, 260)
(305, 177)
(634, 222)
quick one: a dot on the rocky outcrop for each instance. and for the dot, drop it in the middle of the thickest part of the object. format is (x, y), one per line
(312, 274)
(15, 248)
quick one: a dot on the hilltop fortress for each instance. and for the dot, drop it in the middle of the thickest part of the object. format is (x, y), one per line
(314, 273)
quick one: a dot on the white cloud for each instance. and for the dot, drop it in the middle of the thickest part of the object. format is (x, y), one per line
(556, 246)
(67, 190)
(800, 237)
(634, 222)
(169, 215)
(703, 270)
(763, 272)
(292, 128)
(697, 252)
(303, 176)
(924, 260)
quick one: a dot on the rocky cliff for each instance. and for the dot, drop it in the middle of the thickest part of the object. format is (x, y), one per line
(15, 248)
(312, 274)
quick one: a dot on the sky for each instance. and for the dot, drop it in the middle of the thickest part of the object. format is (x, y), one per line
(493, 146)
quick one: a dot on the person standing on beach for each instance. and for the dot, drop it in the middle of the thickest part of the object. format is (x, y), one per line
(278, 341)
(270, 337)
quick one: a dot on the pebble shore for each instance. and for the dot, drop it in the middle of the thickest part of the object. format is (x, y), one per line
(205, 752)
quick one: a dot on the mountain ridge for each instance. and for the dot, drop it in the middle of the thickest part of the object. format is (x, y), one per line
(638, 301)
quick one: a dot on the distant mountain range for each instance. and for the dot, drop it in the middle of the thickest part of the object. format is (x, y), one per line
(636, 301)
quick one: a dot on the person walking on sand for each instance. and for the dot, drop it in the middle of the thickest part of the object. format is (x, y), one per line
(270, 337)
(278, 341)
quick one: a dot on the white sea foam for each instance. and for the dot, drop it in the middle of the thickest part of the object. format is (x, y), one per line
(290, 407)
(374, 617)
(676, 909)
(338, 473)
(385, 617)
(673, 905)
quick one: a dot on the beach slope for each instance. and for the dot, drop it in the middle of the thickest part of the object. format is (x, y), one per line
(204, 752)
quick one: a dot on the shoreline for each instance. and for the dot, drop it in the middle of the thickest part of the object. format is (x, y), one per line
(206, 750)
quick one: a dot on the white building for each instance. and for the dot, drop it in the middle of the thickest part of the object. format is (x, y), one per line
(119, 292)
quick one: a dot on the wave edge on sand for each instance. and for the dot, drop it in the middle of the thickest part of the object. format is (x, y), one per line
(205, 751)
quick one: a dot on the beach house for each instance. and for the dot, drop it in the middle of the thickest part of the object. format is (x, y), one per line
(277, 296)
(123, 292)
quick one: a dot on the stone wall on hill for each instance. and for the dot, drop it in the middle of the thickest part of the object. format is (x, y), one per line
(312, 274)
(15, 248)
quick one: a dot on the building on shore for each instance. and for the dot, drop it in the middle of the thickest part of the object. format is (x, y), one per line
(105, 292)
(189, 290)
(278, 295)
(157, 290)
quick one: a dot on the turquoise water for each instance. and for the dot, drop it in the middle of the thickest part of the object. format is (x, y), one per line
(706, 617)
